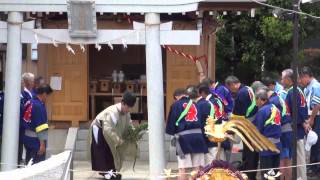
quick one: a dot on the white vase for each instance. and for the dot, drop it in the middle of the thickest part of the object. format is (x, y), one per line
(121, 76)
(114, 76)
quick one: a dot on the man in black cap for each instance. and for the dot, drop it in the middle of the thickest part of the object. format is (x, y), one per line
(106, 135)
(35, 125)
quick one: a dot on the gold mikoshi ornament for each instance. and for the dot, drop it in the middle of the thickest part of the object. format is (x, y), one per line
(219, 170)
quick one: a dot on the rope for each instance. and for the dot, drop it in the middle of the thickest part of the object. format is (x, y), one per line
(89, 42)
(285, 167)
(167, 173)
(194, 59)
(288, 10)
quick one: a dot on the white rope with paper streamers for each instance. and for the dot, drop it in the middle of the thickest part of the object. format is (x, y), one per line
(97, 46)
(54, 43)
(271, 175)
(36, 38)
(110, 45)
(124, 43)
(167, 173)
(69, 48)
(83, 49)
(84, 43)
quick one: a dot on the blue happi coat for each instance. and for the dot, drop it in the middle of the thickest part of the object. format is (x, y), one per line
(302, 110)
(286, 127)
(225, 95)
(190, 143)
(204, 107)
(26, 95)
(282, 106)
(244, 103)
(34, 119)
(268, 122)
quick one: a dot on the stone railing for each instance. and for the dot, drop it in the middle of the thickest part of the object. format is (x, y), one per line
(56, 167)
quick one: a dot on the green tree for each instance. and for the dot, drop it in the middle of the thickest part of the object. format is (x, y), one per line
(244, 44)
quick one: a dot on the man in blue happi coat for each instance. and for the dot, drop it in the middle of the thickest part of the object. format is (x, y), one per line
(275, 86)
(1, 113)
(302, 119)
(312, 93)
(245, 106)
(26, 94)
(36, 126)
(223, 92)
(268, 123)
(28, 87)
(208, 105)
(286, 133)
(184, 123)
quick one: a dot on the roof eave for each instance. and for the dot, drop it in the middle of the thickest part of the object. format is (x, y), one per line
(228, 5)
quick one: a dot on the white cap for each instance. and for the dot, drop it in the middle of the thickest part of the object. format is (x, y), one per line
(312, 139)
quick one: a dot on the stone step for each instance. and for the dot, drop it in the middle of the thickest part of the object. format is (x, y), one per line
(81, 149)
(81, 156)
(141, 170)
(143, 155)
(81, 145)
(83, 134)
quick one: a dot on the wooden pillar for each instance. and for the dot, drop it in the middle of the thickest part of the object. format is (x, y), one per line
(202, 49)
(201, 66)
(212, 56)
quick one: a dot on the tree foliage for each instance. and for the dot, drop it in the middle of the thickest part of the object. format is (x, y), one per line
(244, 43)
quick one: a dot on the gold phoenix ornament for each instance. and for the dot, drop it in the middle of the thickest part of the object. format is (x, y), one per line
(218, 133)
(242, 127)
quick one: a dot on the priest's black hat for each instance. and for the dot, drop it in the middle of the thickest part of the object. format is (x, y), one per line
(129, 98)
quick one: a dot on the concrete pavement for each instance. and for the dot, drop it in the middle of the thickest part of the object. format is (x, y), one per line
(82, 170)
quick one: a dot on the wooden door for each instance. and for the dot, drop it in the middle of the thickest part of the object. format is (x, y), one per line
(181, 72)
(71, 103)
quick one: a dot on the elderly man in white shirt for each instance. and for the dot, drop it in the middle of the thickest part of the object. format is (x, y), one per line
(312, 93)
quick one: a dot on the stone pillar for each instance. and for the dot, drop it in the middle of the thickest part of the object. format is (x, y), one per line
(10, 134)
(155, 95)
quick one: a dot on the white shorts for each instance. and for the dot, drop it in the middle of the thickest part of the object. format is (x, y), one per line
(191, 160)
(211, 155)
